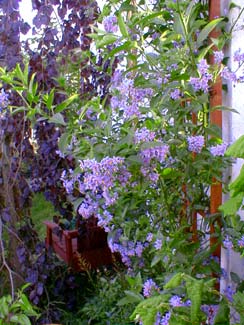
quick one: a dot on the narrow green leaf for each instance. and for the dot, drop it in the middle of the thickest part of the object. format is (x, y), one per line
(122, 26)
(48, 100)
(62, 106)
(207, 30)
(106, 40)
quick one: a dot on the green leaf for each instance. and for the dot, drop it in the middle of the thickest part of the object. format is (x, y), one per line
(4, 302)
(62, 106)
(175, 281)
(64, 141)
(131, 297)
(238, 299)
(236, 149)
(232, 205)
(48, 99)
(223, 315)
(156, 260)
(122, 25)
(57, 119)
(237, 186)
(148, 308)
(20, 319)
(194, 288)
(106, 40)
(207, 30)
(234, 5)
(235, 277)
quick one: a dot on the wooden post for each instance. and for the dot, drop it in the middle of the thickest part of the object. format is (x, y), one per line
(216, 119)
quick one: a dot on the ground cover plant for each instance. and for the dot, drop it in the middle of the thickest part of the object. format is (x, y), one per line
(112, 113)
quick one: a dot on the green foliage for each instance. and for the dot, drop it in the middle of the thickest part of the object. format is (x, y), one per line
(18, 311)
(196, 290)
(41, 210)
(105, 304)
(161, 49)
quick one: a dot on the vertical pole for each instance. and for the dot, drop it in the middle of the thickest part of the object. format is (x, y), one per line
(216, 119)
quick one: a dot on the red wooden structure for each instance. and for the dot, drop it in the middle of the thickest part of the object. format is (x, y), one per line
(67, 244)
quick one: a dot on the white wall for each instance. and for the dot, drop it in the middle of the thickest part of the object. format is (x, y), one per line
(233, 124)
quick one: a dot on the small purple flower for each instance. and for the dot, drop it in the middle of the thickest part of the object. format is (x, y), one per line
(158, 244)
(110, 24)
(139, 249)
(229, 292)
(149, 237)
(241, 242)
(218, 57)
(228, 75)
(195, 143)
(218, 150)
(144, 135)
(175, 301)
(238, 56)
(227, 243)
(158, 153)
(203, 67)
(175, 94)
(201, 83)
(148, 288)
(165, 319)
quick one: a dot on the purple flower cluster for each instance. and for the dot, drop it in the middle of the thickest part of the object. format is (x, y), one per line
(157, 153)
(229, 75)
(104, 219)
(240, 242)
(163, 320)
(110, 24)
(218, 57)
(227, 243)
(195, 143)
(127, 98)
(150, 173)
(229, 292)
(238, 56)
(218, 150)
(175, 94)
(104, 176)
(202, 82)
(149, 287)
(158, 244)
(144, 135)
(127, 249)
(88, 208)
(176, 301)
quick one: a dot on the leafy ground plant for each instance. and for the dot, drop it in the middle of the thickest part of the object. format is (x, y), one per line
(17, 311)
